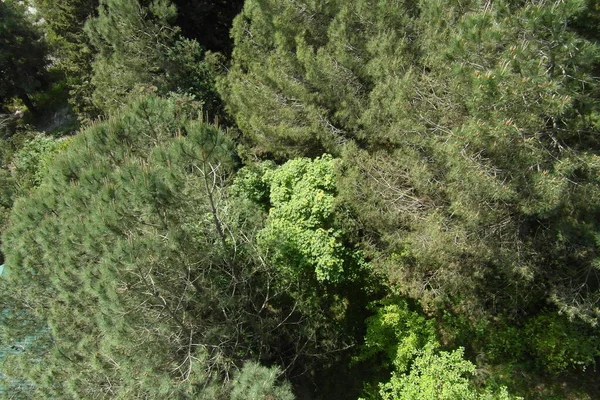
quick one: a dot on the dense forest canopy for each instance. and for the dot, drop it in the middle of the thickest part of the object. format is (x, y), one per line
(279, 199)
(469, 134)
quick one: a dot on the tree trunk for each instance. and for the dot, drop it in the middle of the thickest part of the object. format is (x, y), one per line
(28, 103)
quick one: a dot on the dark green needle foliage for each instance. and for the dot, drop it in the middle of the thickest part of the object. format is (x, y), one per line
(139, 46)
(128, 257)
(71, 52)
(468, 131)
(256, 382)
(67, 18)
(23, 54)
(131, 41)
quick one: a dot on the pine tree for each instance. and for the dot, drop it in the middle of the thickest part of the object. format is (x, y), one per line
(468, 131)
(255, 382)
(139, 47)
(129, 273)
(130, 257)
(131, 41)
(64, 22)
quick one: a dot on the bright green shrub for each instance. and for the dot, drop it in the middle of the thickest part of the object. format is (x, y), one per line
(301, 234)
(31, 161)
(397, 332)
(420, 370)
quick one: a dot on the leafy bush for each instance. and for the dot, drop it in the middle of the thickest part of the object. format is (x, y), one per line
(301, 234)
(31, 161)
(556, 343)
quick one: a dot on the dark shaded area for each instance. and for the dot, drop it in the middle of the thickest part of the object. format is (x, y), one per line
(587, 22)
(23, 55)
(208, 22)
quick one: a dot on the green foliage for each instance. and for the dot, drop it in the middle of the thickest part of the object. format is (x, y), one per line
(206, 22)
(130, 255)
(468, 134)
(438, 375)
(24, 163)
(587, 20)
(549, 342)
(256, 382)
(420, 370)
(301, 234)
(267, 90)
(433, 376)
(64, 22)
(397, 332)
(66, 19)
(464, 169)
(131, 41)
(193, 71)
(15, 182)
(23, 54)
(250, 183)
(77, 249)
(138, 45)
(32, 160)
(558, 344)
(305, 236)
(127, 253)
(503, 342)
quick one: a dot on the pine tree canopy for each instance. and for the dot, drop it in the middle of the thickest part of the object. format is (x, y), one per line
(312, 199)
(469, 132)
(139, 46)
(125, 262)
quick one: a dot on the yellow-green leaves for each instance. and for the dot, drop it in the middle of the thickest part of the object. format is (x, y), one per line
(301, 233)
